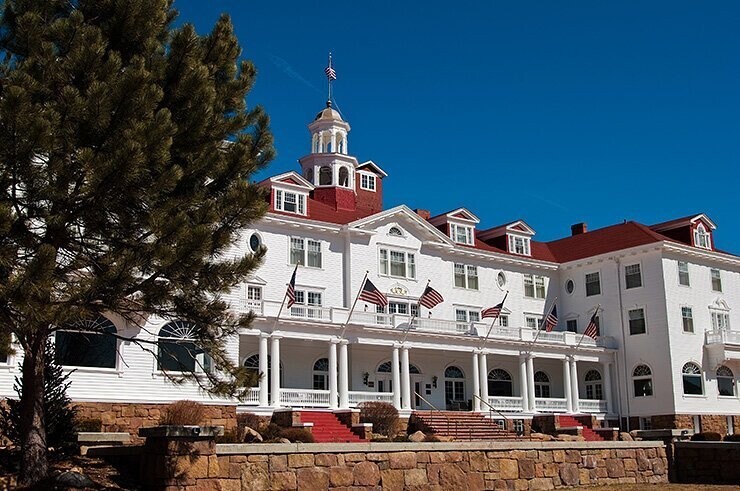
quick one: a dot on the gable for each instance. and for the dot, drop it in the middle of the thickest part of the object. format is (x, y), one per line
(404, 218)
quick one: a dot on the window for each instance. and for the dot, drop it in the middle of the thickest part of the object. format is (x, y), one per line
(683, 273)
(367, 182)
(646, 423)
(503, 320)
(519, 245)
(643, 381)
(307, 304)
(570, 287)
(254, 298)
(593, 284)
(255, 242)
(571, 325)
(305, 252)
(290, 202)
(343, 177)
(716, 280)
(499, 383)
(637, 321)
(177, 351)
(397, 263)
(6, 348)
(701, 237)
(467, 315)
(252, 364)
(501, 279)
(541, 384)
(395, 232)
(454, 386)
(466, 276)
(325, 176)
(692, 379)
(632, 276)
(534, 286)
(308, 174)
(688, 319)
(532, 322)
(720, 320)
(401, 308)
(321, 374)
(461, 234)
(87, 344)
(725, 381)
(594, 388)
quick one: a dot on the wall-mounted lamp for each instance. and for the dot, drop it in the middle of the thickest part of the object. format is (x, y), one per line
(434, 381)
(365, 377)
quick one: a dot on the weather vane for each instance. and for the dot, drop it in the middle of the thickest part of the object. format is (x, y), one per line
(331, 75)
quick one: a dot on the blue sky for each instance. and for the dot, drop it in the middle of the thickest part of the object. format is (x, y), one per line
(553, 112)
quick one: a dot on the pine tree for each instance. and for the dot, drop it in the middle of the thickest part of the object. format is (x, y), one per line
(126, 148)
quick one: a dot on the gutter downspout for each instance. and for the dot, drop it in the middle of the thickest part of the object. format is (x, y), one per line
(618, 263)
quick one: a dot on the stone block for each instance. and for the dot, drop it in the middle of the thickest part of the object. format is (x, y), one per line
(509, 469)
(341, 476)
(312, 479)
(478, 461)
(573, 456)
(198, 467)
(558, 455)
(403, 460)
(366, 474)
(589, 462)
(551, 469)
(541, 484)
(584, 478)
(283, 481)
(451, 476)
(630, 465)
(254, 477)
(279, 463)
(229, 485)
(422, 457)
(298, 460)
(614, 467)
(392, 480)
(526, 469)
(453, 457)
(569, 474)
(626, 453)
(326, 460)
(378, 456)
(354, 457)
(213, 466)
(415, 477)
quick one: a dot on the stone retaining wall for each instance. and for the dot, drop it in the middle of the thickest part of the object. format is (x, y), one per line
(709, 422)
(707, 462)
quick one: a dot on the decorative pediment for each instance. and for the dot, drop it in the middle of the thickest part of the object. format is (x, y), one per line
(403, 217)
(373, 167)
(719, 304)
(518, 227)
(291, 179)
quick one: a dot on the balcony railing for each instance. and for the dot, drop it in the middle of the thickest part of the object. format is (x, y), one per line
(506, 404)
(321, 314)
(592, 405)
(253, 396)
(304, 397)
(550, 405)
(723, 336)
(356, 397)
(254, 306)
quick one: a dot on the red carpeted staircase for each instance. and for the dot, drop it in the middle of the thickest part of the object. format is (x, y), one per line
(460, 425)
(328, 429)
(569, 421)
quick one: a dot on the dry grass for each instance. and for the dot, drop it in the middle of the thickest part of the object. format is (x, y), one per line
(183, 413)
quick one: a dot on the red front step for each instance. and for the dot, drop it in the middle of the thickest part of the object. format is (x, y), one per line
(327, 428)
(585, 421)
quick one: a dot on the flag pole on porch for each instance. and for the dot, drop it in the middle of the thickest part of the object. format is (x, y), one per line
(590, 328)
(289, 294)
(351, 310)
(496, 310)
(554, 302)
(414, 316)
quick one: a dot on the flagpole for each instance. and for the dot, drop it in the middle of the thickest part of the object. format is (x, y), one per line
(490, 328)
(584, 332)
(418, 310)
(349, 316)
(281, 309)
(543, 323)
(329, 99)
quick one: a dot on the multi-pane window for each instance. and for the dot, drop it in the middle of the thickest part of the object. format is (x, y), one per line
(642, 379)
(716, 280)
(466, 276)
(313, 253)
(637, 321)
(397, 263)
(692, 379)
(290, 202)
(454, 385)
(367, 182)
(593, 284)
(503, 320)
(541, 384)
(467, 315)
(701, 237)
(461, 234)
(305, 252)
(534, 286)
(401, 308)
(519, 245)
(683, 273)
(594, 389)
(254, 297)
(720, 320)
(571, 325)
(321, 374)
(725, 381)
(688, 319)
(533, 322)
(312, 299)
(632, 276)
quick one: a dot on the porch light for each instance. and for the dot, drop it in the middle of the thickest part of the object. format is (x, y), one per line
(365, 377)
(434, 381)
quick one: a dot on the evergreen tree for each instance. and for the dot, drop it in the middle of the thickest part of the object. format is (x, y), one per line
(126, 148)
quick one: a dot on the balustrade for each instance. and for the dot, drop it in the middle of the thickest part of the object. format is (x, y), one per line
(304, 397)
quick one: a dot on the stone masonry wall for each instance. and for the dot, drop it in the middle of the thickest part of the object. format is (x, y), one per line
(709, 422)
(707, 462)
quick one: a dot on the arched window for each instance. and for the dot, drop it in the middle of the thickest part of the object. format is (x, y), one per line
(340, 144)
(395, 232)
(385, 367)
(725, 381)
(87, 344)
(692, 379)
(177, 351)
(499, 383)
(454, 387)
(325, 176)
(321, 374)
(643, 381)
(594, 388)
(253, 364)
(308, 174)
(541, 384)
(343, 177)
(701, 237)
(315, 145)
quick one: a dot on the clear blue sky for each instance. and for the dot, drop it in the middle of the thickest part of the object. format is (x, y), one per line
(553, 112)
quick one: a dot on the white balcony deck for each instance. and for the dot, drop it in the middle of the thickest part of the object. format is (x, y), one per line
(722, 346)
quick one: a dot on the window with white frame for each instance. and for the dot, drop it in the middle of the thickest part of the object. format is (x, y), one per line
(701, 237)
(503, 320)
(716, 280)
(632, 276)
(534, 286)
(399, 264)
(683, 273)
(720, 320)
(725, 381)
(367, 182)
(571, 325)
(593, 284)
(687, 316)
(290, 202)
(691, 374)
(254, 298)
(307, 304)
(637, 321)
(642, 379)
(461, 234)
(177, 350)
(594, 389)
(646, 423)
(519, 245)
(305, 252)
(401, 308)
(321, 374)
(466, 315)
(466, 276)
(533, 322)
(541, 384)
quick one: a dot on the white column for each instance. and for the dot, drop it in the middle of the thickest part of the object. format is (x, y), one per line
(395, 379)
(334, 142)
(530, 382)
(483, 363)
(333, 395)
(574, 385)
(476, 383)
(343, 375)
(608, 385)
(523, 390)
(263, 367)
(567, 386)
(405, 379)
(275, 368)
(321, 142)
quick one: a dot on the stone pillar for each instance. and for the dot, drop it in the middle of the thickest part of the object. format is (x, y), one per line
(567, 386)
(405, 379)
(333, 394)
(275, 362)
(396, 378)
(483, 362)
(523, 386)
(574, 385)
(476, 383)
(343, 375)
(608, 386)
(530, 383)
(264, 371)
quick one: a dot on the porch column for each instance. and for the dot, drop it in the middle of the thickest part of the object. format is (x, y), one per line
(574, 385)
(396, 379)
(275, 367)
(405, 379)
(476, 383)
(264, 371)
(530, 382)
(483, 364)
(523, 390)
(567, 385)
(343, 375)
(608, 385)
(333, 395)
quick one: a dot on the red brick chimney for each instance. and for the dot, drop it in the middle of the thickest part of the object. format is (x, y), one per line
(578, 228)
(424, 214)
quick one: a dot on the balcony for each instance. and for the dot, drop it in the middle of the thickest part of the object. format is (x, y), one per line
(722, 346)
(505, 404)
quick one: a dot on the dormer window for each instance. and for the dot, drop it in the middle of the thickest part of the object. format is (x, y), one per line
(519, 245)
(290, 202)
(702, 238)
(461, 234)
(367, 182)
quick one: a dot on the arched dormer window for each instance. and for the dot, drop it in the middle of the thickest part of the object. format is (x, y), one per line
(87, 344)
(325, 176)
(701, 237)
(343, 177)
(691, 374)
(177, 351)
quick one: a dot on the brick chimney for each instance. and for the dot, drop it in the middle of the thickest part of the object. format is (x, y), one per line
(424, 214)
(578, 228)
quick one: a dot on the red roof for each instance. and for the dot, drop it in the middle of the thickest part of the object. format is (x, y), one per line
(322, 212)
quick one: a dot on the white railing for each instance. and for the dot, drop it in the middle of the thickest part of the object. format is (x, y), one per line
(253, 306)
(372, 319)
(440, 325)
(356, 397)
(550, 405)
(253, 396)
(592, 405)
(322, 314)
(551, 337)
(722, 336)
(304, 397)
(505, 404)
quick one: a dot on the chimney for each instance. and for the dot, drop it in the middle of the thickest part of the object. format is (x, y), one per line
(424, 214)
(578, 228)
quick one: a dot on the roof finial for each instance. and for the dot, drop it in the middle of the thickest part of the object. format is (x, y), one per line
(331, 75)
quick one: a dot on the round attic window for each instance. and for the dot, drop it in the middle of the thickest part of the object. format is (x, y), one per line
(255, 242)
(570, 286)
(501, 279)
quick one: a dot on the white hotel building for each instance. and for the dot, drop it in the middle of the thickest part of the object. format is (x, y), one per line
(668, 300)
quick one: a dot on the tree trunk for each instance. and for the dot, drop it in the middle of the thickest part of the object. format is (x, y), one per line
(34, 459)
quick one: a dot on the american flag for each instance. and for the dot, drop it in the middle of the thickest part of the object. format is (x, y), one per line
(371, 294)
(495, 311)
(552, 319)
(592, 330)
(290, 292)
(430, 298)
(331, 74)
